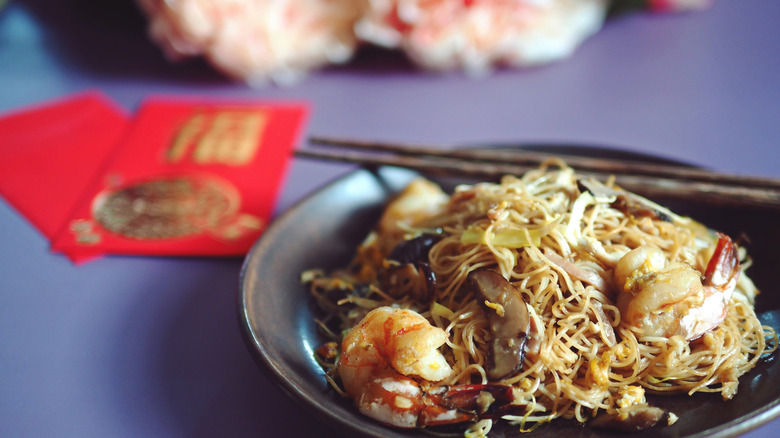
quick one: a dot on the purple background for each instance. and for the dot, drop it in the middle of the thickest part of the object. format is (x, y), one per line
(137, 346)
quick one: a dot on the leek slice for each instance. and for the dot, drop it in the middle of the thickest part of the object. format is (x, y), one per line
(508, 237)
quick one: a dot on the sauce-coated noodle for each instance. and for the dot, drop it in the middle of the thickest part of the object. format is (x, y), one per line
(600, 333)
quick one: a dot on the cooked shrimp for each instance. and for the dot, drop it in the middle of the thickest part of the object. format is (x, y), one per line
(390, 364)
(668, 299)
(420, 200)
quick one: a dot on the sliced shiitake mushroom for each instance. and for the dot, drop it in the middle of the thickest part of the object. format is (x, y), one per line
(414, 250)
(509, 321)
(410, 274)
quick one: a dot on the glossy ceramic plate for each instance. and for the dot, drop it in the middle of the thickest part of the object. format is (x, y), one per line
(323, 230)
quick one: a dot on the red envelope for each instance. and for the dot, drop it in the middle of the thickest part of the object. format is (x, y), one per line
(189, 178)
(51, 152)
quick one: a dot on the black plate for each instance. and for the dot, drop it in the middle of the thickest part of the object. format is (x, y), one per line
(322, 231)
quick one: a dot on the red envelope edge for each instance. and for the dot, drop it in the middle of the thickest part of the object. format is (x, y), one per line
(52, 151)
(190, 178)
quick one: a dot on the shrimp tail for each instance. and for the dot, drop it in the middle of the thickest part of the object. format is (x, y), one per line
(453, 404)
(723, 268)
(720, 279)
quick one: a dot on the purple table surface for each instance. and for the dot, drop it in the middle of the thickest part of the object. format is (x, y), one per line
(144, 346)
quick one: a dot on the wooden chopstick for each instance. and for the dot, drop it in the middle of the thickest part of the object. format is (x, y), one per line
(533, 158)
(651, 180)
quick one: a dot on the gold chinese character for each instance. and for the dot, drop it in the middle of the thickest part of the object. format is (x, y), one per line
(186, 136)
(226, 137)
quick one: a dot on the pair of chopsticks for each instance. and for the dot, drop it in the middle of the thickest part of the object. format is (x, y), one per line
(648, 179)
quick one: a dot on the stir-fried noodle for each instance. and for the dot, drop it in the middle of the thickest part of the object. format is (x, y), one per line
(605, 324)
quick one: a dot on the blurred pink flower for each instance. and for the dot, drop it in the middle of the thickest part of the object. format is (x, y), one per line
(256, 41)
(476, 35)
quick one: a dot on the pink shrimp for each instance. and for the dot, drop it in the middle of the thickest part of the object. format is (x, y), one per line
(663, 299)
(390, 365)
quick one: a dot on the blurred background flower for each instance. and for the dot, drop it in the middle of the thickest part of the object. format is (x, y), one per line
(280, 41)
(256, 41)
